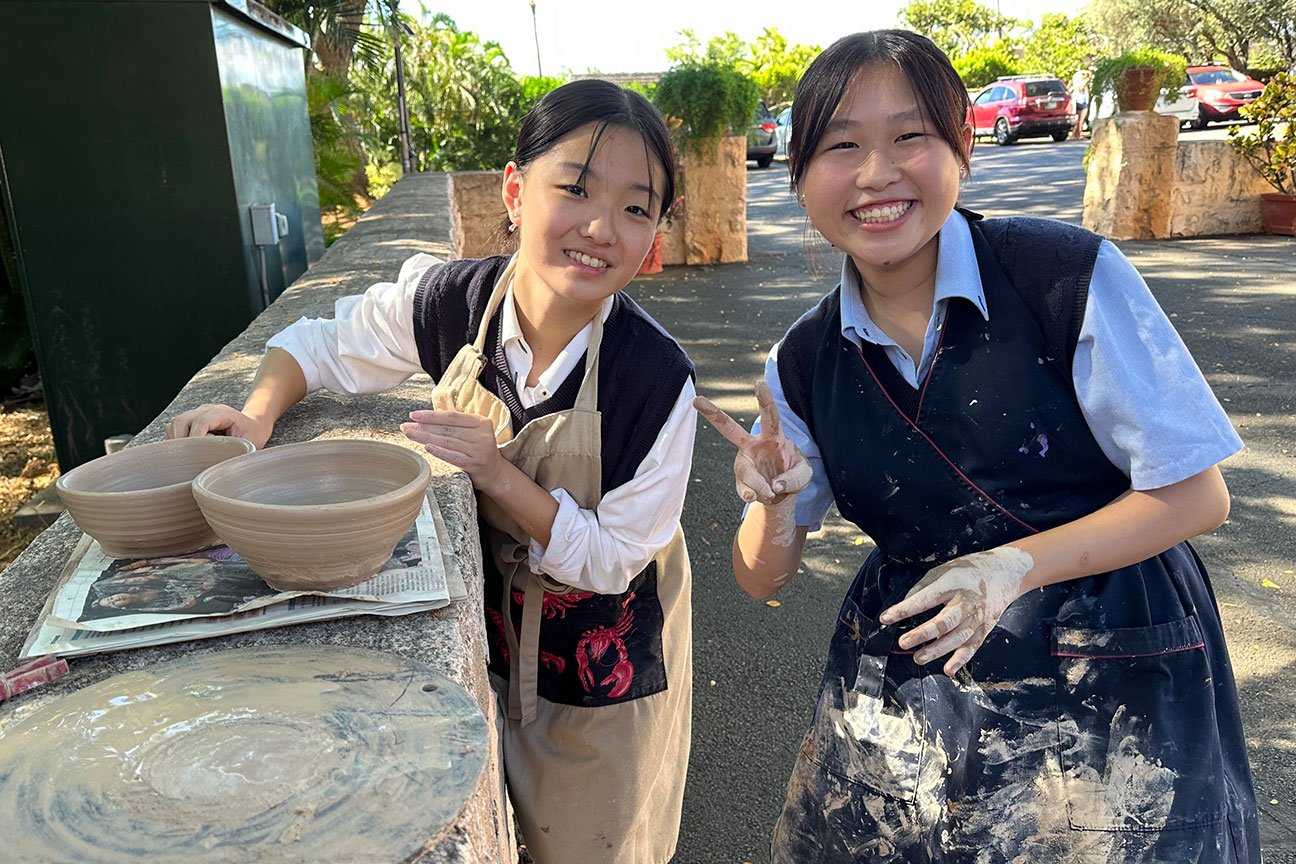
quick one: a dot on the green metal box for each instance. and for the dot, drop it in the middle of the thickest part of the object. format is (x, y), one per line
(134, 138)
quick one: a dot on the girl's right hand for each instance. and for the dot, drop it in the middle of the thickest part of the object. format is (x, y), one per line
(768, 467)
(219, 420)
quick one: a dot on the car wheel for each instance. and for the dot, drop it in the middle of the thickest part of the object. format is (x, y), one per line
(1002, 136)
(1200, 122)
(1060, 136)
(764, 161)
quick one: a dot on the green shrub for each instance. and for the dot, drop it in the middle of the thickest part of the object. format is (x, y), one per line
(1271, 145)
(980, 66)
(710, 99)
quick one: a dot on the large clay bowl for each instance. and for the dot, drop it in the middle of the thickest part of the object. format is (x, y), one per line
(138, 503)
(316, 516)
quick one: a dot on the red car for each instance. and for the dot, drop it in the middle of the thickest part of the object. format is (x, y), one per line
(1220, 92)
(1024, 106)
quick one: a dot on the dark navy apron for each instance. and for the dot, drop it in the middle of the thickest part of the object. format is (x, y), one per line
(1099, 721)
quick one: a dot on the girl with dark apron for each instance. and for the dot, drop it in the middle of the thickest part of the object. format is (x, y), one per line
(1001, 405)
(571, 411)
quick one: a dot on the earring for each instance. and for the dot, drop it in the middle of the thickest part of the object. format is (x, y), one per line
(512, 229)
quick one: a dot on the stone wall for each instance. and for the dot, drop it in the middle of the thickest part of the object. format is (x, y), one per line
(1215, 191)
(1144, 182)
(411, 218)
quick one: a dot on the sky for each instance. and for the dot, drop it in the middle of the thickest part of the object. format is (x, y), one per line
(620, 36)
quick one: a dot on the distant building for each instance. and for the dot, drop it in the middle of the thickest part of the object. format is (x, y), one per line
(621, 79)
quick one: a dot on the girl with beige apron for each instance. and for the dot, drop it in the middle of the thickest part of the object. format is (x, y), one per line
(595, 699)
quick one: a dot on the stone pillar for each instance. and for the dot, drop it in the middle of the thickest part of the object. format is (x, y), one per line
(476, 214)
(1130, 175)
(710, 225)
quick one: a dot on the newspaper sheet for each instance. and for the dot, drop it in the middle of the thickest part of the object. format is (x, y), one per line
(102, 604)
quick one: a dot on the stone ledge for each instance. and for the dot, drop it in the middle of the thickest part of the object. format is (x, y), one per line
(411, 218)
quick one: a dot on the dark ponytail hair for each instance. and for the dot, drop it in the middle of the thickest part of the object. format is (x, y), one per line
(578, 103)
(939, 89)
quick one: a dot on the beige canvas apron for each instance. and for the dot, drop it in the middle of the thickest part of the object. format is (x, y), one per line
(589, 784)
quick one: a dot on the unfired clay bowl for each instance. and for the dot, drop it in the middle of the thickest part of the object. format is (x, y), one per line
(315, 516)
(138, 503)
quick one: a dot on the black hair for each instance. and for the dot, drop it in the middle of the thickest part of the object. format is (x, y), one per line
(940, 90)
(578, 103)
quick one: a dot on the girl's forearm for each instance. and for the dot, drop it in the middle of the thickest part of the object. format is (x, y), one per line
(1134, 527)
(279, 384)
(767, 548)
(523, 499)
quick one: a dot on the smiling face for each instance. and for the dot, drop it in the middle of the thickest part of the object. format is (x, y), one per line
(585, 228)
(881, 181)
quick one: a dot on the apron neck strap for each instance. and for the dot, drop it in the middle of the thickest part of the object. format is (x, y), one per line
(587, 398)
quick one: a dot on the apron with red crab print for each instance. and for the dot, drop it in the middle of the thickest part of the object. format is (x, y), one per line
(594, 690)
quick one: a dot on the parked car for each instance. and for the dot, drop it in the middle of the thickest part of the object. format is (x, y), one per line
(784, 124)
(1179, 104)
(1220, 92)
(761, 142)
(1024, 106)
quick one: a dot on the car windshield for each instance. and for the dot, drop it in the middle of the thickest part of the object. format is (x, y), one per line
(1216, 76)
(1045, 88)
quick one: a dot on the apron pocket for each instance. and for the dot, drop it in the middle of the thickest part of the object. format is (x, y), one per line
(1138, 742)
(868, 727)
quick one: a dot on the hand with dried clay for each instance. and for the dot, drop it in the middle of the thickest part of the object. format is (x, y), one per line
(768, 468)
(975, 590)
(466, 441)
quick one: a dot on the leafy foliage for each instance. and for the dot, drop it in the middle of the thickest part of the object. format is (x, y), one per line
(1109, 73)
(337, 155)
(1059, 45)
(768, 60)
(1271, 145)
(465, 102)
(957, 26)
(980, 66)
(710, 98)
(1240, 32)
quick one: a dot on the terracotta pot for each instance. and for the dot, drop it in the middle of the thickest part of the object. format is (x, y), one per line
(1279, 211)
(315, 516)
(138, 503)
(652, 263)
(1136, 89)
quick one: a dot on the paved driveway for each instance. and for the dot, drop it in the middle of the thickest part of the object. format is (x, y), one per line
(757, 666)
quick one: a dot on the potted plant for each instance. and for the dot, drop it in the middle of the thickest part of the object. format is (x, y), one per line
(1271, 148)
(1137, 78)
(714, 105)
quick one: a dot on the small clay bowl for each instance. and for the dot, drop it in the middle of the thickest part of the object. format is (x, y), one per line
(138, 503)
(315, 516)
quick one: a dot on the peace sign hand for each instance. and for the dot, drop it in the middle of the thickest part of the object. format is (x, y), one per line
(768, 467)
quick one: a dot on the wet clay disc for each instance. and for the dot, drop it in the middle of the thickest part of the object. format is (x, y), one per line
(266, 754)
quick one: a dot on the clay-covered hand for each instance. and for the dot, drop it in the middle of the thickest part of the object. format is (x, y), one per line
(466, 441)
(975, 590)
(219, 420)
(768, 467)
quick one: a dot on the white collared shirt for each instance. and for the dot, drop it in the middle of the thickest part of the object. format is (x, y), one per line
(1156, 428)
(369, 346)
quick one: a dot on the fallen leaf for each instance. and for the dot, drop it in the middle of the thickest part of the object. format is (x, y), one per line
(859, 541)
(773, 604)
(1269, 583)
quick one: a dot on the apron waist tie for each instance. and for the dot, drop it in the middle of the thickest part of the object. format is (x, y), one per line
(524, 648)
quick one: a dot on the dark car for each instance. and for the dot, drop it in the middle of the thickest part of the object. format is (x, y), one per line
(1024, 106)
(1220, 92)
(761, 141)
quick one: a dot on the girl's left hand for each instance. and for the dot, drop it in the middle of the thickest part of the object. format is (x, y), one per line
(975, 590)
(466, 441)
